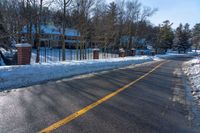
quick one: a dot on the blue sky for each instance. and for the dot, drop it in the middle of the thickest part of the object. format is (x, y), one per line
(177, 11)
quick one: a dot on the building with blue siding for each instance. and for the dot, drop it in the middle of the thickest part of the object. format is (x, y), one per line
(51, 35)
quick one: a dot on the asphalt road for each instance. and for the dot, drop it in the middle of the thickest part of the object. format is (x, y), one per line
(156, 103)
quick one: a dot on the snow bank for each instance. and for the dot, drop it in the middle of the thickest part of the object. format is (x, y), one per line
(192, 70)
(167, 55)
(8, 53)
(196, 51)
(173, 54)
(2, 63)
(20, 76)
(1, 60)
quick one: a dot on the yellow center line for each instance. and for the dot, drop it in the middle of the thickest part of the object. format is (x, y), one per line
(91, 106)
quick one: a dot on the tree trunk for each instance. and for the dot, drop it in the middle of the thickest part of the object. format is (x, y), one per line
(63, 38)
(39, 34)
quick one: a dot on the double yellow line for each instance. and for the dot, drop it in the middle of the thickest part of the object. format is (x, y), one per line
(91, 106)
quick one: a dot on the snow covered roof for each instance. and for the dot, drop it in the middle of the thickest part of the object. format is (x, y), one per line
(51, 29)
(96, 49)
(23, 45)
(121, 50)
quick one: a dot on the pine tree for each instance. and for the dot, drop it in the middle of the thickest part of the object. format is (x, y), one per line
(1, 24)
(3, 34)
(166, 36)
(186, 37)
(196, 36)
(110, 32)
(182, 38)
(112, 14)
(177, 40)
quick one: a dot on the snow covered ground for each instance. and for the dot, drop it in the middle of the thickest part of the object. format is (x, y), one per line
(175, 54)
(192, 70)
(19, 76)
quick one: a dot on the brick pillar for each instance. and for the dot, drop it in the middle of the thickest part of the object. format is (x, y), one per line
(153, 53)
(23, 53)
(142, 52)
(96, 53)
(133, 52)
(121, 52)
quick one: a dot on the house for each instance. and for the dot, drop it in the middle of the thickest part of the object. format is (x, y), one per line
(140, 44)
(137, 42)
(51, 35)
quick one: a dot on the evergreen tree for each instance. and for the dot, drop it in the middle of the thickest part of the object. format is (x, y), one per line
(182, 38)
(112, 13)
(111, 17)
(3, 34)
(1, 24)
(166, 36)
(177, 40)
(186, 37)
(111, 24)
(155, 37)
(196, 36)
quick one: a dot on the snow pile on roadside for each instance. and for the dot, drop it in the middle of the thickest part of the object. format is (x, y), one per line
(8, 53)
(3, 50)
(2, 63)
(196, 51)
(173, 54)
(192, 70)
(20, 76)
(167, 55)
(1, 60)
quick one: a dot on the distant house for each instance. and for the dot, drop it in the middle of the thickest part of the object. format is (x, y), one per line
(138, 42)
(51, 35)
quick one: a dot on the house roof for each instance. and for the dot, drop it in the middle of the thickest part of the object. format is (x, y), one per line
(51, 29)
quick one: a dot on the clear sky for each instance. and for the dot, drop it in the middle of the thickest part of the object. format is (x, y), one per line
(177, 11)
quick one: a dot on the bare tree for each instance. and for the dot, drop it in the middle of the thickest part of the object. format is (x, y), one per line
(95, 19)
(121, 20)
(133, 12)
(83, 10)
